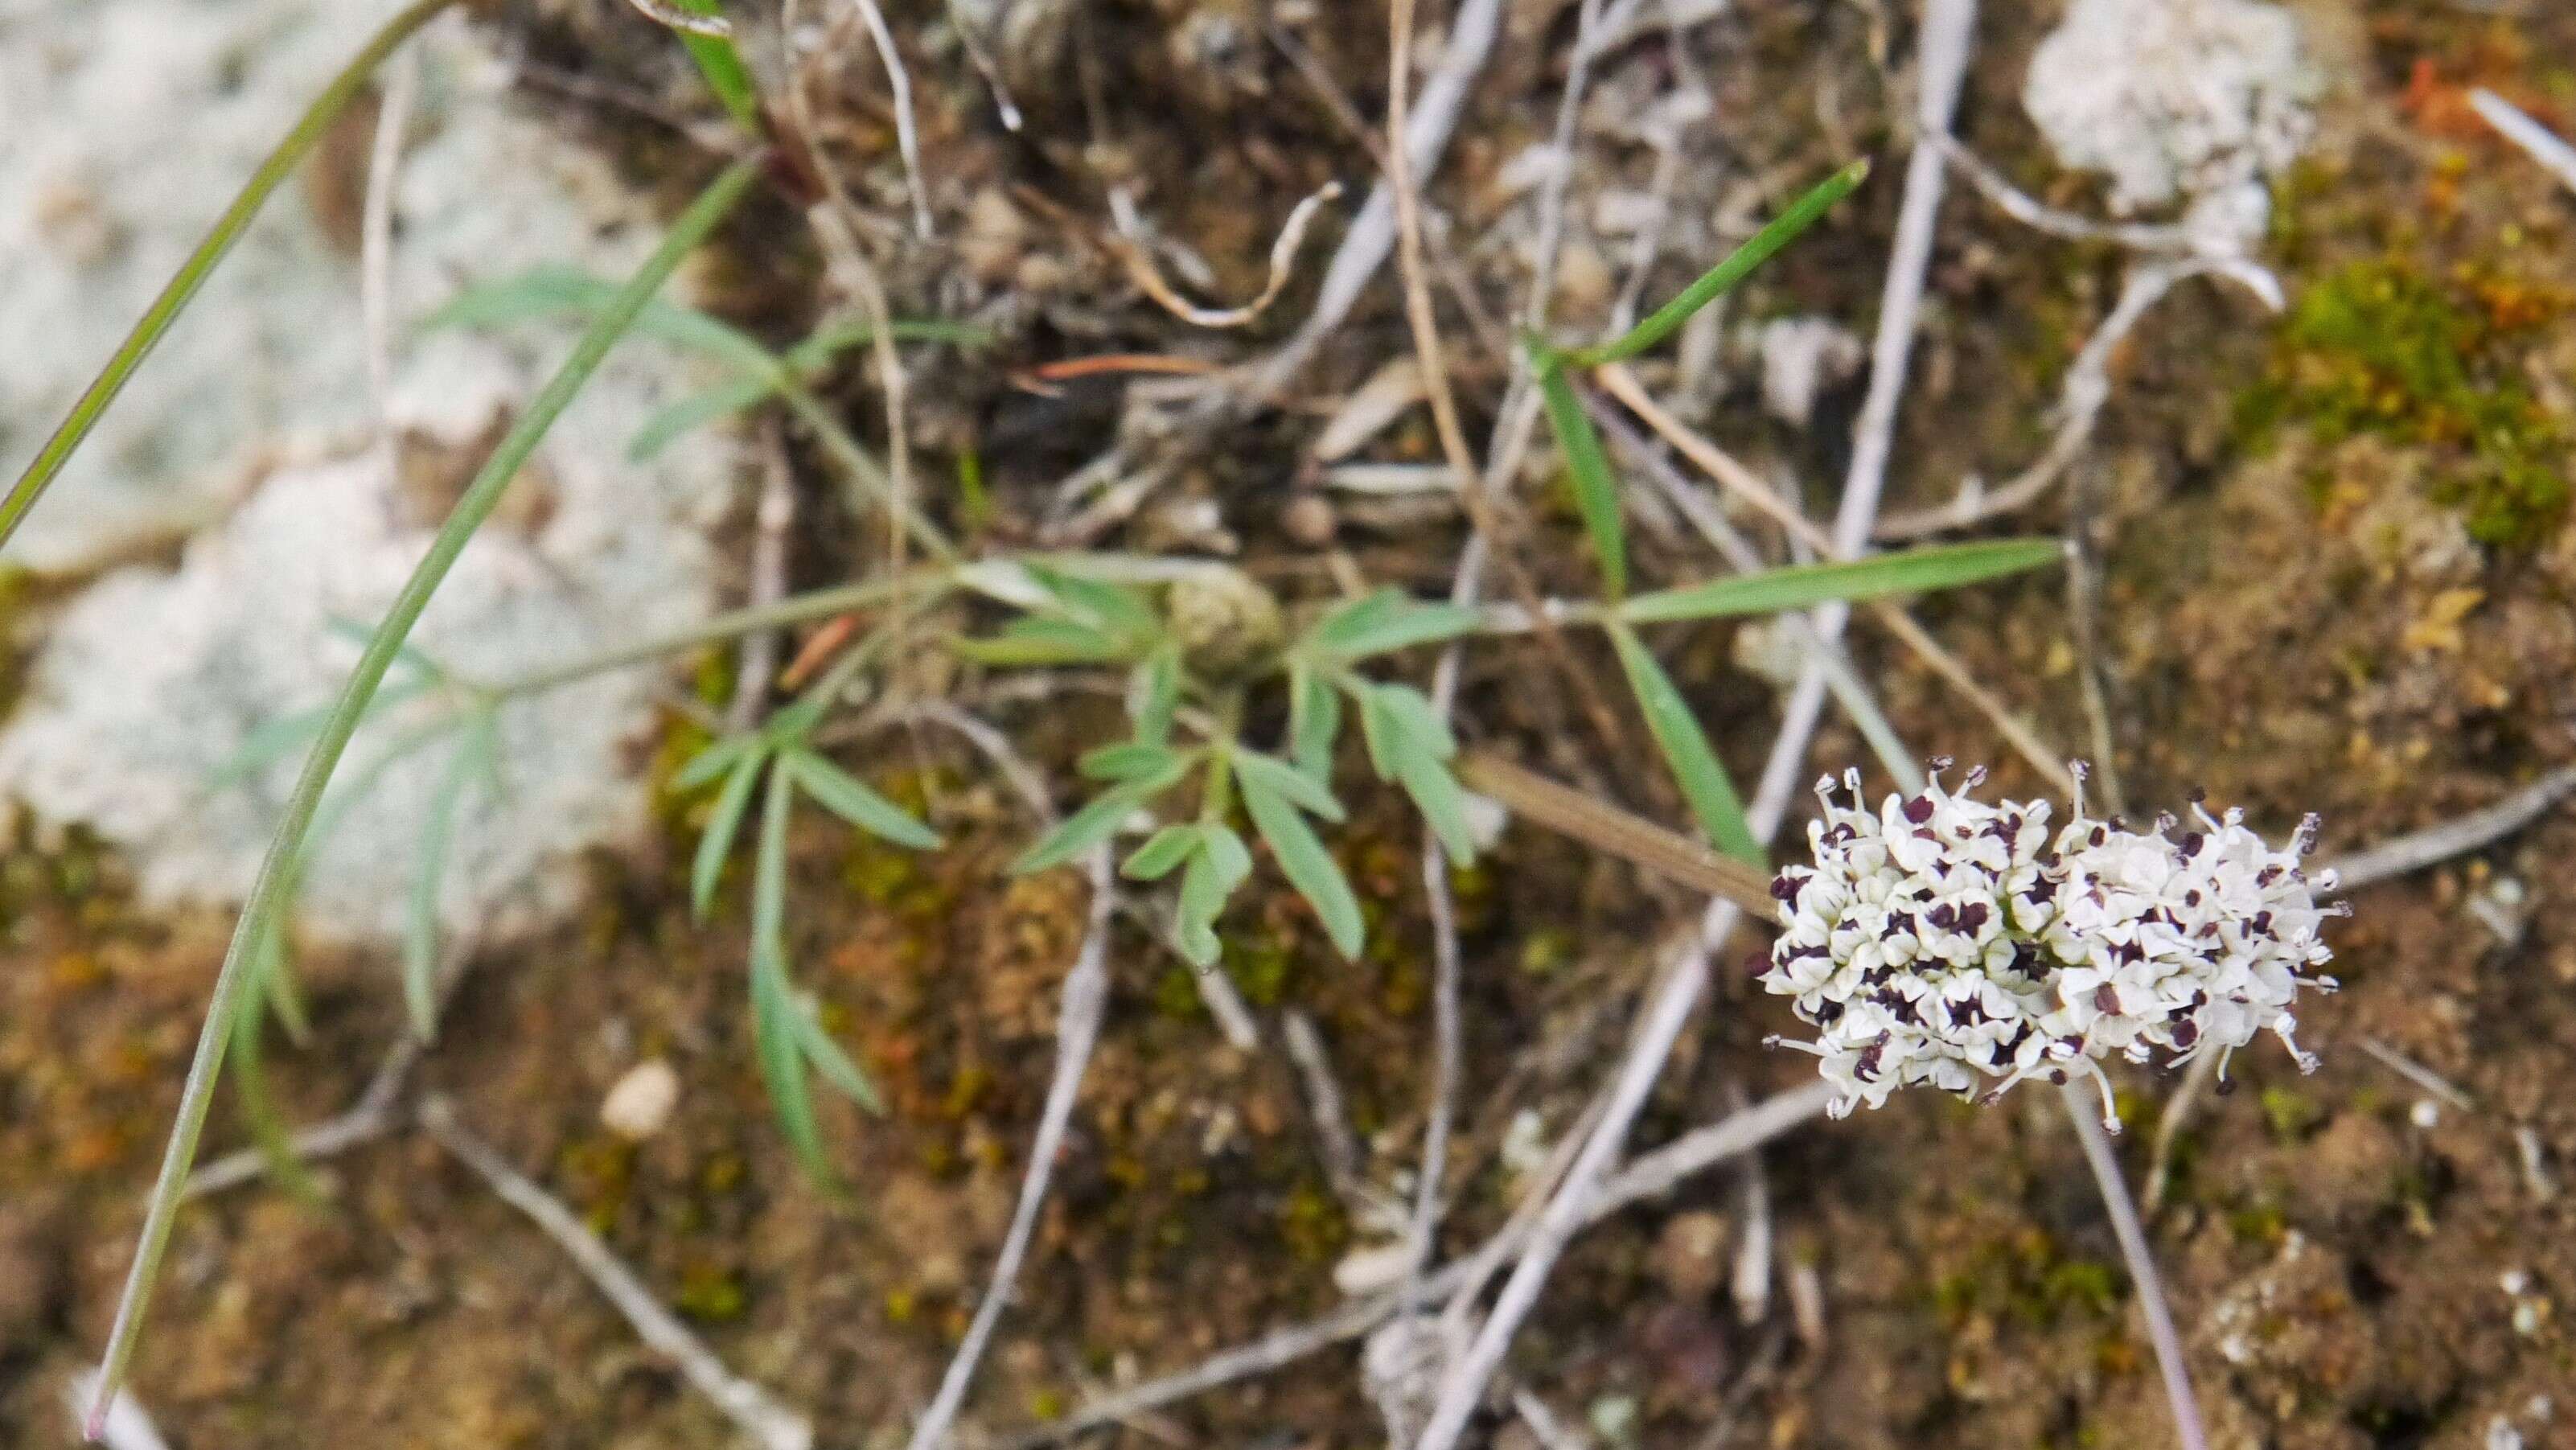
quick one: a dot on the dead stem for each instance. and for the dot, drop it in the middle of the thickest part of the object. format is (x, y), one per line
(2142, 1265)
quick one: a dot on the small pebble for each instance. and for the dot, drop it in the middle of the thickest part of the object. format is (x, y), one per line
(2427, 1114)
(640, 1103)
(1308, 520)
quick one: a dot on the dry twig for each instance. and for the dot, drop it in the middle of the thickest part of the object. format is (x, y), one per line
(1140, 267)
(1086, 1000)
(2555, 155)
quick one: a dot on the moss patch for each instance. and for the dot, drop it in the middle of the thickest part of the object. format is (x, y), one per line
(2379, 347)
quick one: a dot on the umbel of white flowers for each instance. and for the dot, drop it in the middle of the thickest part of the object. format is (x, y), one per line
(1947, 941)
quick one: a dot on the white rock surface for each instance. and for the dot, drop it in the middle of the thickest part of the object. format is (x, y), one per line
(152, 679)
(132, 123)
(2173, 99)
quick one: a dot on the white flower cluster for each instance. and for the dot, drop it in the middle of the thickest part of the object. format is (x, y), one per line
(1947, 941)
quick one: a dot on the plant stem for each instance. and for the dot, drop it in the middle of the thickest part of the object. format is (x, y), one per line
(269, 889)
(2142, 1267)
(795, 609)
(863, 470)
(192, 274)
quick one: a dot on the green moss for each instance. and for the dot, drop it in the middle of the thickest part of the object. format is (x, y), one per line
(2290, 1113)
(2028, 1279)
(2379, 348)
(1176, 996)
(2261, 1222)
(1312, 1224)
(1260, 967)
(709, 1294)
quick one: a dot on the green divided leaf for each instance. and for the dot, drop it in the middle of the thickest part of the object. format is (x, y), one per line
(1409, 744)
(1161, 854)
(777, 1019)
(1103, 605)
(831, 1063)
(476, 755)
(694, 412)
(1156, 695)
(850, 798)
(1939, 566)
(713, 762)
(558, 290)
(1704, 782)
(804, 360)
(1314, 722)
(1220, 863)
(1098, 821)
(272, 740)
(1043, 640)
(1387, 620)
(724, 822)
(1127, 760)
(249, 1056)
(1286, 781)
(1303, 859)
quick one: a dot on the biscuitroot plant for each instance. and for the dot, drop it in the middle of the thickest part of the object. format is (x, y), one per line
(1947, 942)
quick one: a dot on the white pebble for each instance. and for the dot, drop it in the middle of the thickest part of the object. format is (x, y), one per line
(640, 1103)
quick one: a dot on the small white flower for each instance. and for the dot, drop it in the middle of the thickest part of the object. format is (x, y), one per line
(1944, 941)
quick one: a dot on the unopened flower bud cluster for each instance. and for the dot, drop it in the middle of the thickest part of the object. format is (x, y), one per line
(1946, 941)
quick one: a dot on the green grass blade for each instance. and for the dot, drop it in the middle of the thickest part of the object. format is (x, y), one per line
(1940, 566)
(724, 822)
(1704, 781)
(1784, 229)
(727, 76)
(182, 286)
(1305, 862)
(266, 895)
(437, 835)
(1596, 489)
(850, 798)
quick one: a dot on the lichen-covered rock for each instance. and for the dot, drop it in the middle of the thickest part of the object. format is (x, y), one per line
(254, 421)
(133, 124)
(2173, 99)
